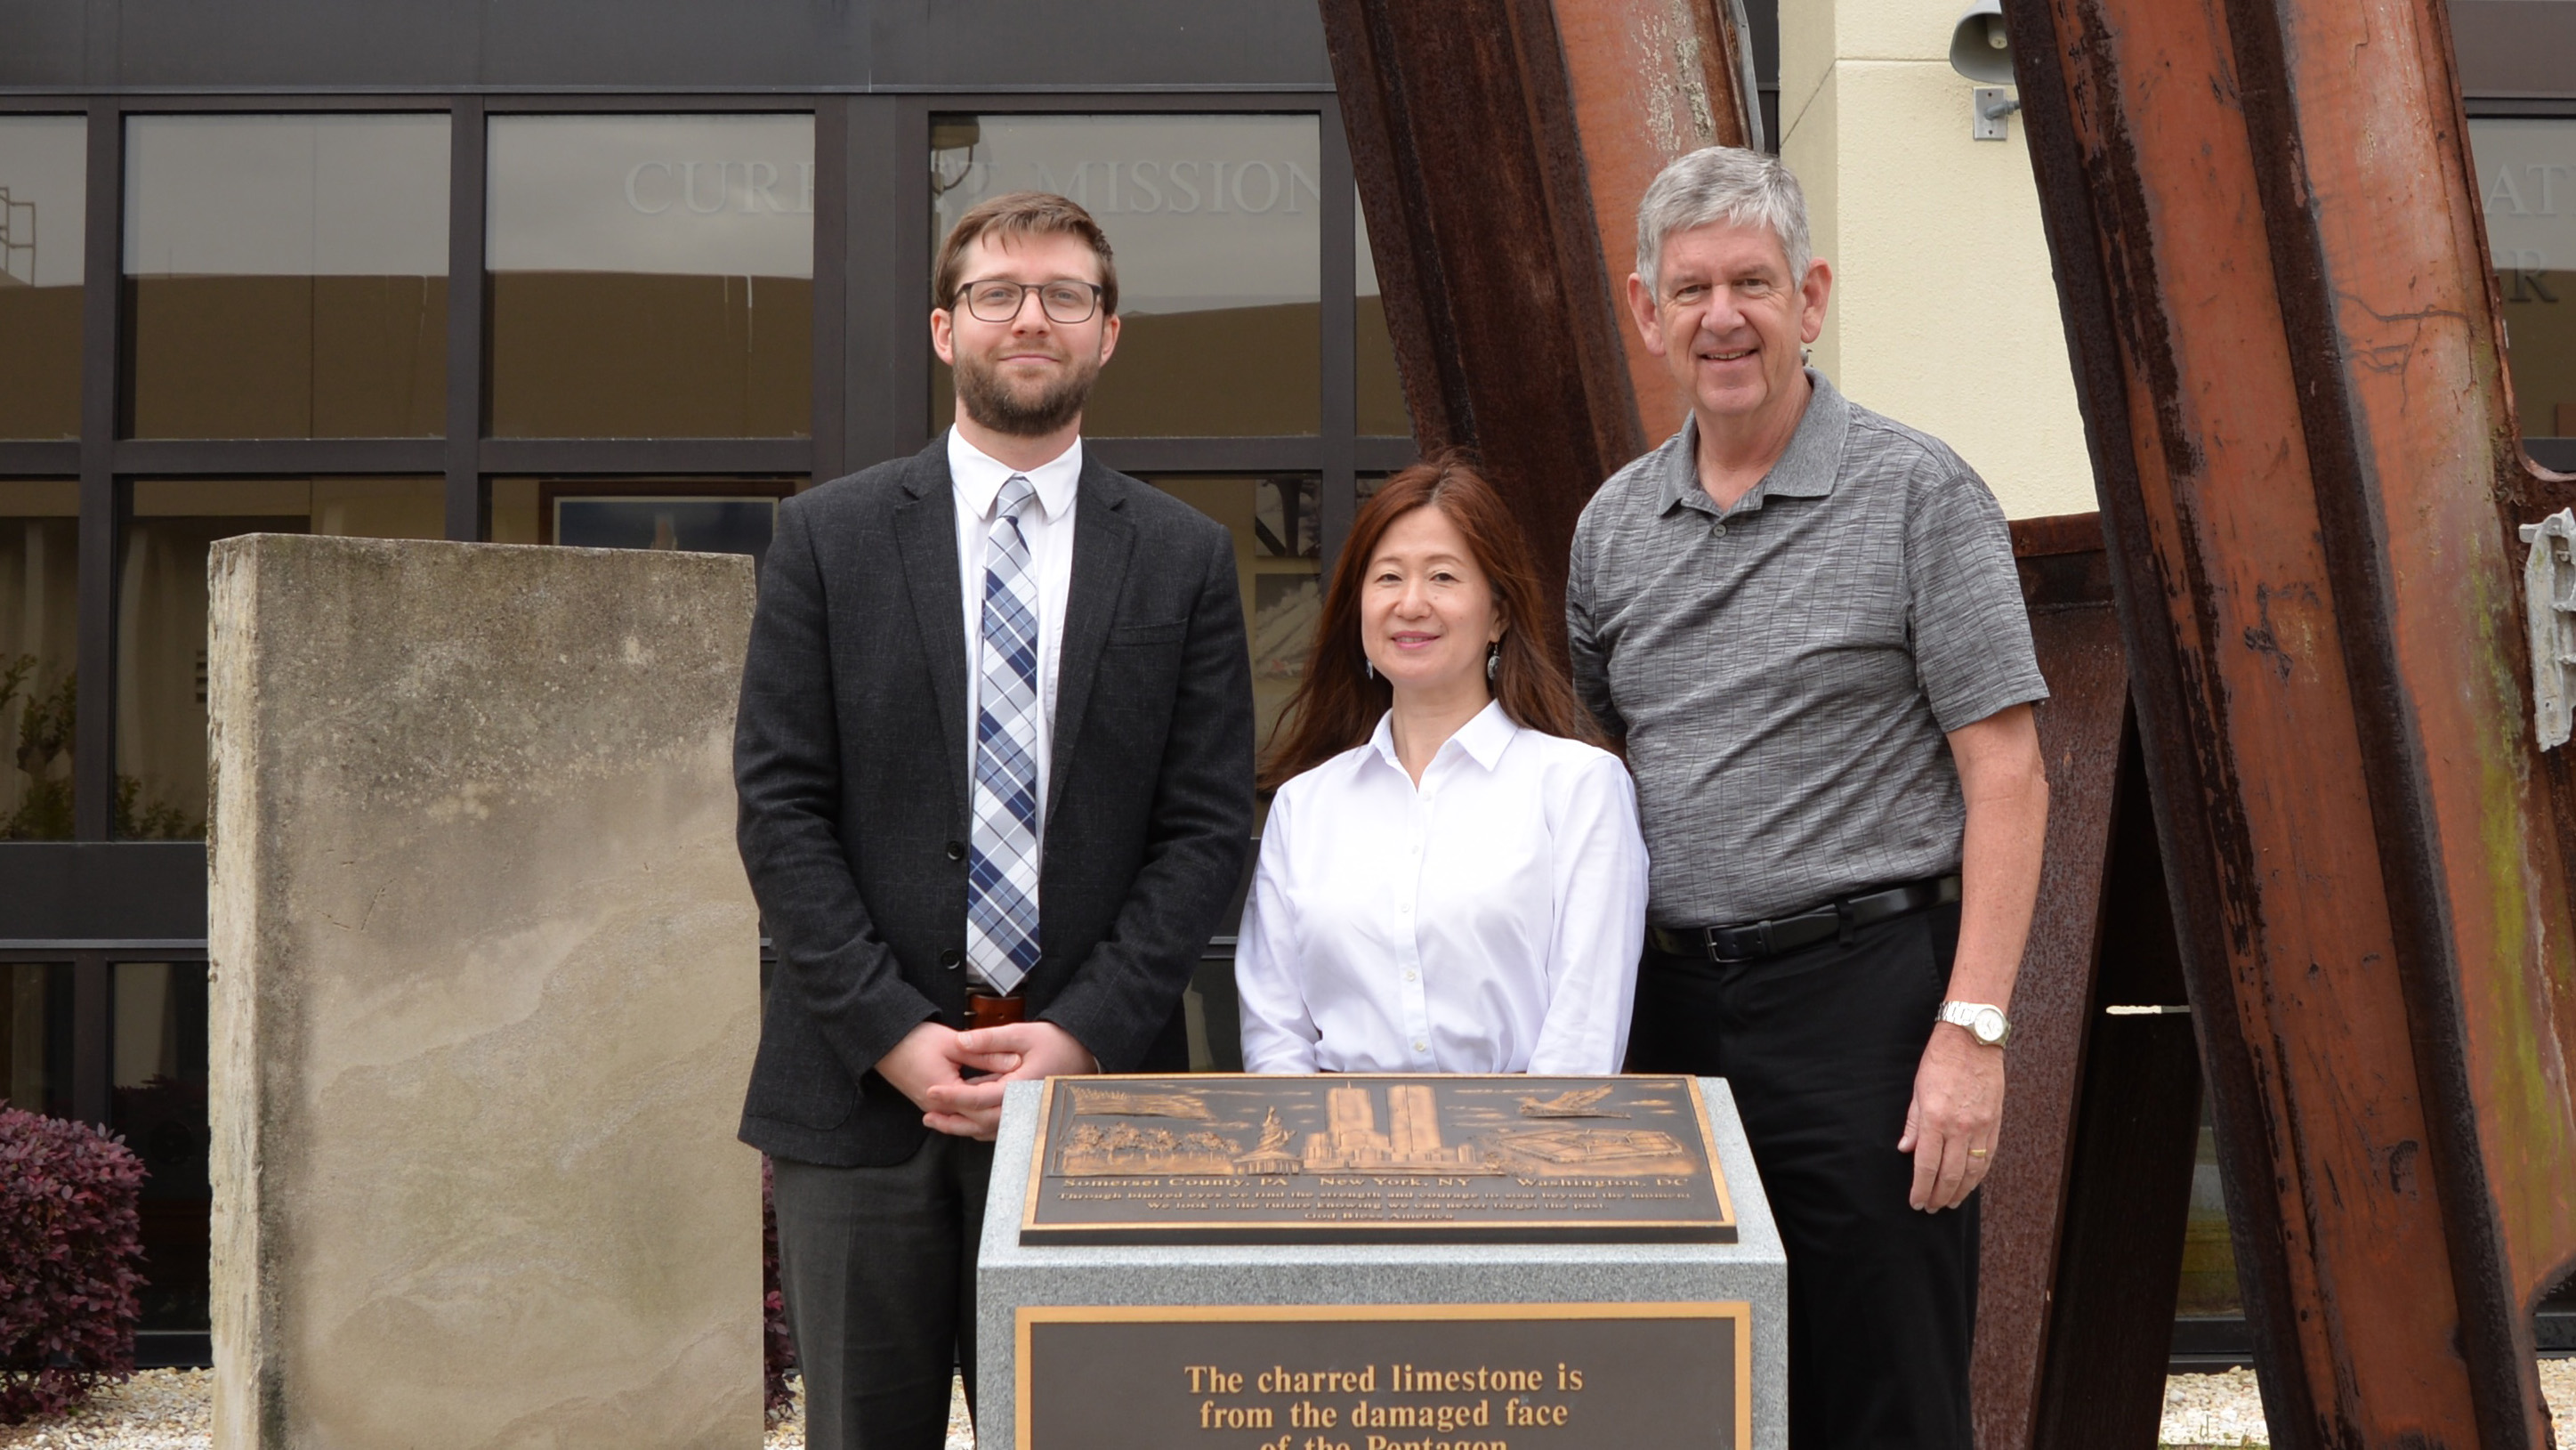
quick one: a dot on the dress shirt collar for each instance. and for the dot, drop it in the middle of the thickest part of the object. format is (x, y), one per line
(1484, 738)
(979, 478)
(1806, 469)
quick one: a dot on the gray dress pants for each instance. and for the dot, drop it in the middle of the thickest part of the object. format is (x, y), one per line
(878, 1265)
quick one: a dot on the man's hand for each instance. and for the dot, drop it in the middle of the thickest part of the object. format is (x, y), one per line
(929, 1059)
(1950, 1125)
(1019, 1052)
(1959, 1088)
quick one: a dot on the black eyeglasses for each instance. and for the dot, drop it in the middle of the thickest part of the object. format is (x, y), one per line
(995, 300)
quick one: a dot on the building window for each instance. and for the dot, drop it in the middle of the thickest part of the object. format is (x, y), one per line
(161, 616)
(1215, 222)
(287, 276)
(159, 1106)
(651, 276)
(2525, 172)
(36, 1037)
(39, 645)
(1382, 409)
(701, 515)
(43, 197)
(1277, 562)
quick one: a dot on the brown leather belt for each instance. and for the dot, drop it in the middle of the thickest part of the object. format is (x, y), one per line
(983, 1009)
(1840, 917)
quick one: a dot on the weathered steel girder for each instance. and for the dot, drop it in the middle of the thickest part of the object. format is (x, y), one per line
(2269, 255)
(2083, 1215)
(1500, 147)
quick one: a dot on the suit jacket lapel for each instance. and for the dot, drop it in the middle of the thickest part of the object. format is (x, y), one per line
(926, 536)
(1102, 539)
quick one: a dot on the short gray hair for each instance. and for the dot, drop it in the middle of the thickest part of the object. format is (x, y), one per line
(1722, 184)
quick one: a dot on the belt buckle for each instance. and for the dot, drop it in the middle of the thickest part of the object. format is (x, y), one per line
(1761, 944)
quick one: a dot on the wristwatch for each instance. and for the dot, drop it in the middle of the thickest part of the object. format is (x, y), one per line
(1987, 1024)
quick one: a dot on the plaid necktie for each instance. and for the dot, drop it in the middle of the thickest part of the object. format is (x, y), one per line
(1002, 878)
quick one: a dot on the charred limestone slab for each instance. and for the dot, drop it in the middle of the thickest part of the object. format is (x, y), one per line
(485, 991)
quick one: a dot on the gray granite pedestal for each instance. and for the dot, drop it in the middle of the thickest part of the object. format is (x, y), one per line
(1150, 1361)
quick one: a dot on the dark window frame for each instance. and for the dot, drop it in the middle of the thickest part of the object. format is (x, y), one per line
(553, 488)
(92, 894)
(88, 903)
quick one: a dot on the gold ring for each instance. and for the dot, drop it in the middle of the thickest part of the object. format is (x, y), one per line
(1976, 1152)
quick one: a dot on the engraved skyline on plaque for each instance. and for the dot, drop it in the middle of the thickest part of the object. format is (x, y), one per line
(1236, 1158)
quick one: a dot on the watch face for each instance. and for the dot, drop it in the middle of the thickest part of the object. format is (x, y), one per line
(1989, 1026)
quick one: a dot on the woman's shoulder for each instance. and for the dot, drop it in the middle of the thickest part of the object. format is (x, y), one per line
(1577, 759)
(1574, 776)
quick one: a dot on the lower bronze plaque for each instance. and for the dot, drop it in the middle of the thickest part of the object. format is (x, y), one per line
(1236, 1158)
(1386, 1377)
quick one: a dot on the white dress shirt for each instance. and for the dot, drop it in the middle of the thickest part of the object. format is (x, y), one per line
(978, 479)
(1486, 922)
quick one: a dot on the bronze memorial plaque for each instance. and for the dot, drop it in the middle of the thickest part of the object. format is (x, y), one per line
(1386, 1377)
(1369, 1158)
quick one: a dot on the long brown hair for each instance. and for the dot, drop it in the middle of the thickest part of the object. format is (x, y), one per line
(1338, 703)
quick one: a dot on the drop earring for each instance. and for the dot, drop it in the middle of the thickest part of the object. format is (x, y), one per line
(1368, 667)
(1493, 659)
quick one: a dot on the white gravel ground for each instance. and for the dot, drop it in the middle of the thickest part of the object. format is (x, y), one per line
(790, 1435)
(2213, 1409)
(171, 1409)
(166, 1409)
(158, 1409)
(2227, 1409)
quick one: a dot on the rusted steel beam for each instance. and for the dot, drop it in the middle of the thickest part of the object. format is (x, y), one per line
(2066, 585)
(2269, 256)
(2100, 1374)
(1652, 80)
(2082, 1217)
(1500, 148)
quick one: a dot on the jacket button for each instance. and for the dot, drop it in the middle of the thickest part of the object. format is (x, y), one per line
(956, 850)
(948, 959)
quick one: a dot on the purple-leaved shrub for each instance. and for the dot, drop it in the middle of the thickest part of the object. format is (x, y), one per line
(69, 1246)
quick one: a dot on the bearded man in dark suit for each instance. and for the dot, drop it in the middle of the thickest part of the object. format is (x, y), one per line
(995, 764)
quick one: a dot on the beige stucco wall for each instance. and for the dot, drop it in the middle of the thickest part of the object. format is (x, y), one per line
(1944, 313)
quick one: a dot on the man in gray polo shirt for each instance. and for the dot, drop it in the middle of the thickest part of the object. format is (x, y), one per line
(1804, 620)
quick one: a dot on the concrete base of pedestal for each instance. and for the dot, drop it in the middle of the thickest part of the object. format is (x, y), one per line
(1751, 1271)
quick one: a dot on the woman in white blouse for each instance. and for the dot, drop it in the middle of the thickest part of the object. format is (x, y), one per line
(1451, 878)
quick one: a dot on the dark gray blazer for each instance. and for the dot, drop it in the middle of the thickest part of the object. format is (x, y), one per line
(850, 757)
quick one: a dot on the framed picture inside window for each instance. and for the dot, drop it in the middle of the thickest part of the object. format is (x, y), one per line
(709, 516)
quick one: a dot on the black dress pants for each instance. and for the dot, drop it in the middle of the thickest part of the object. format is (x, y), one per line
(1820, 1048)
(878, 1265)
